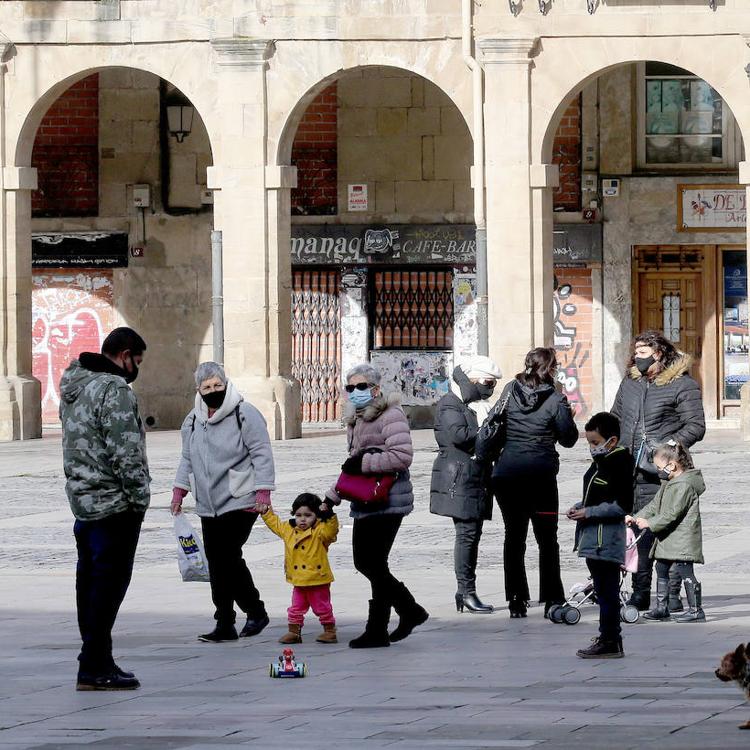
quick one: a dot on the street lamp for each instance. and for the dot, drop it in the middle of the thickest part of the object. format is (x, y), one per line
(179, 119)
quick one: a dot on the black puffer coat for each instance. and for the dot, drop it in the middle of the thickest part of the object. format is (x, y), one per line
(537, 419)
(669, 406)
(459, 486)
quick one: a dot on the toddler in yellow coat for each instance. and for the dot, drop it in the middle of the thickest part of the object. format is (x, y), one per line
(307, 537)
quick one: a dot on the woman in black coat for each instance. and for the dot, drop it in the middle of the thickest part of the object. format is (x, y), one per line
(460, 486)
(657, 401)
(525, 477)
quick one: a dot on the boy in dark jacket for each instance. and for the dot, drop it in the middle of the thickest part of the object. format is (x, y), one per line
(600, 534)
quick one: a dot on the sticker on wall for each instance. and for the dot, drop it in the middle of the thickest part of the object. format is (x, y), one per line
(357, 198)
(422, 378)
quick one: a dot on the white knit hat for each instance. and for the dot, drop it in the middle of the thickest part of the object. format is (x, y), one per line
(481, 368)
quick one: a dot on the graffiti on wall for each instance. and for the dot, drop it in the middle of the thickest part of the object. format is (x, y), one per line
(572, 335)
(422, 378)
(71, 313)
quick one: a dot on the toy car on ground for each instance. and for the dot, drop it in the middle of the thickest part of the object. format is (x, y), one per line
(287, 666)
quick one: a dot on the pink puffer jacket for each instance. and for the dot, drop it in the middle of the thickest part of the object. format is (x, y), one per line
(382, 424)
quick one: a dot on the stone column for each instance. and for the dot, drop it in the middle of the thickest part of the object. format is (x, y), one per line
(248, 208)
(520, 289)
(744, 179)
(20, 392)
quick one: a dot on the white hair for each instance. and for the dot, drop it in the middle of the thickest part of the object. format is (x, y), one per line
(366, 371)
(208, 370)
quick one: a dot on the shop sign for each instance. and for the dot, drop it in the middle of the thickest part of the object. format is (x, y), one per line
(358, 244)
(711, 208)
(735, 281)
(79, 250)
(577, 244)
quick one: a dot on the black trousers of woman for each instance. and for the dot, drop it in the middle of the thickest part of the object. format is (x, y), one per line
(531, 499)
(465, 553)
(231, 581)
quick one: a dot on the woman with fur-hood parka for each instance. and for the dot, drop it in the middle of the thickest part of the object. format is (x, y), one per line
(657, 401)
(379, 442)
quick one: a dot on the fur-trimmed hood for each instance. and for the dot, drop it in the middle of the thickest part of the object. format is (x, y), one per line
(373, 410)
(677, 369)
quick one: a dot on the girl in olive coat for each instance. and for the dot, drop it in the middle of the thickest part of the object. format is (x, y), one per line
(674, 517)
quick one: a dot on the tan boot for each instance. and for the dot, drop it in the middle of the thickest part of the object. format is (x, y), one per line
(293, 636)
(328, 635)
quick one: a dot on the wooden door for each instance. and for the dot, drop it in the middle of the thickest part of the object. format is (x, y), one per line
(671, 302)
(316, 343)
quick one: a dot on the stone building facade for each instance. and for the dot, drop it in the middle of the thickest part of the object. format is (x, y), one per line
(334, 149)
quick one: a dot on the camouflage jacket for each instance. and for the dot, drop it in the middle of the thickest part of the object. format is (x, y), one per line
(104, 443)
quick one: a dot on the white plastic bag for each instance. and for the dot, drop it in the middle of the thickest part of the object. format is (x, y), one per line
(190, 555)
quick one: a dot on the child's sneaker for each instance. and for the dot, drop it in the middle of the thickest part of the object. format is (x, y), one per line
(601, 649)
(328, 635)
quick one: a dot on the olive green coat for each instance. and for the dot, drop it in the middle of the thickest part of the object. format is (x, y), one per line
(675, 518)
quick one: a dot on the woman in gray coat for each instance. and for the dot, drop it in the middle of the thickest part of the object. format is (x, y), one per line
(227, 465)
(460, 487)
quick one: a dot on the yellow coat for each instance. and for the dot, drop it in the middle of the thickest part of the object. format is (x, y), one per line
(305, 552)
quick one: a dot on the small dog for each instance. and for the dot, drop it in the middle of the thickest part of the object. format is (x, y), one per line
(735, 667)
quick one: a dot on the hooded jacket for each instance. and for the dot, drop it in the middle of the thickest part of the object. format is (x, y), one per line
(382, 425)
(674, 517)
(305, 552)
(103, 440)
(225, 457)
(537, 419)
(460, 486)
(668, 406)
(607, 499)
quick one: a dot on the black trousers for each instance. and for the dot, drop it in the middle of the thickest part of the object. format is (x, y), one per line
(646, 487)
(525, 499)
(106, 550)
(372, 540)
(676, 570)
(223, 539)
(606, 578)
(465, 553)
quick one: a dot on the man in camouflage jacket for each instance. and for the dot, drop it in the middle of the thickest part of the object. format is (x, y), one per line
(104, 456)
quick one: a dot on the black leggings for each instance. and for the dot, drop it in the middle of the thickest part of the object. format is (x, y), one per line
(676, 570)
(372, 539)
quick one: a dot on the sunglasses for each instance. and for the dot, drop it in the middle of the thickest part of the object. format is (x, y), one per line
(489, 383)
(360, 387)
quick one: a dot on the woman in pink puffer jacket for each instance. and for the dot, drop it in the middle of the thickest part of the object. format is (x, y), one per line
(379, 442)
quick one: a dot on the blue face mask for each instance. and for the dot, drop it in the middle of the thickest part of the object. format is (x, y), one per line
(600, 451)
(360, 399)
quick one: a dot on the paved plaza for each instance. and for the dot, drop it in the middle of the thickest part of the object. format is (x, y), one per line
(461, 681)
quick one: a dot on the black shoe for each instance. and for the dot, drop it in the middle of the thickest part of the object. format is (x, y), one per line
(695, 612)
(409, 620)
(376, 630)
(601, 649)
(517, 607)
(639, 600)
(220, 634)
(122, 672)
(111, 681)
(473, 604)
(661, 611)
(254, 625)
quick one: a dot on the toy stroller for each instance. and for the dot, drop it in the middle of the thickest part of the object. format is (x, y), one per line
(580, 593)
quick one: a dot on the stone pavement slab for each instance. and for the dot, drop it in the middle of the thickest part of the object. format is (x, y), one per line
(461, 681)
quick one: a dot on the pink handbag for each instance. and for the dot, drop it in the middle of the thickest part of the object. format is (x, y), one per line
(631, 551)
(365, 488)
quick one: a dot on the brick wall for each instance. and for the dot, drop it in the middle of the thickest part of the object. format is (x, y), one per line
(573, 321)
(315, 154)
(66, 154)
(566, 151)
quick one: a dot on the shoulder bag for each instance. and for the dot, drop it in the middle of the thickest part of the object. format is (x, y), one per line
(493, 433)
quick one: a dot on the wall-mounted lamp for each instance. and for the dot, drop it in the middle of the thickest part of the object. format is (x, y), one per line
(179, 119)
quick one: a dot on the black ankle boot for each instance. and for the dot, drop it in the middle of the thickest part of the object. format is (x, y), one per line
(220, 634)
(409, 612)
(473, 604)
(376, 630)
(517, 607)
(254, 625)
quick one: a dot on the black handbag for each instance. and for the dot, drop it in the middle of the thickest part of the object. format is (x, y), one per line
(493, 433)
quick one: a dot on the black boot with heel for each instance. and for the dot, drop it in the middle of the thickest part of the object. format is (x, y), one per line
(472, 603)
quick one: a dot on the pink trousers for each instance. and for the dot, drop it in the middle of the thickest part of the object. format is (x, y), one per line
(317, 597)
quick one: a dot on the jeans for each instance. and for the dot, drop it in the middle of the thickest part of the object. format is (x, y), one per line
(525, 499)
(372, 539)
(106, 550)
(317, 597)
(465, 552)
(223, 539)
(606, 578)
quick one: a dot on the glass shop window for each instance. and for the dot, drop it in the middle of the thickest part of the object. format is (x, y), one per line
(411, 309)
(683, 121)
(735, 328)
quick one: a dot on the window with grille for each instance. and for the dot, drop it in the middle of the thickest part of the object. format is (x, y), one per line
(412, 309)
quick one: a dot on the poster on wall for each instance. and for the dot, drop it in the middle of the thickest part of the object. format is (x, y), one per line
(422, 378)
(711, 208)
(357, 198)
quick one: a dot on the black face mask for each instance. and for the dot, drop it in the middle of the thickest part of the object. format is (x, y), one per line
(214, 399)
(644, 363)
(131, 376)
(484, 391)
